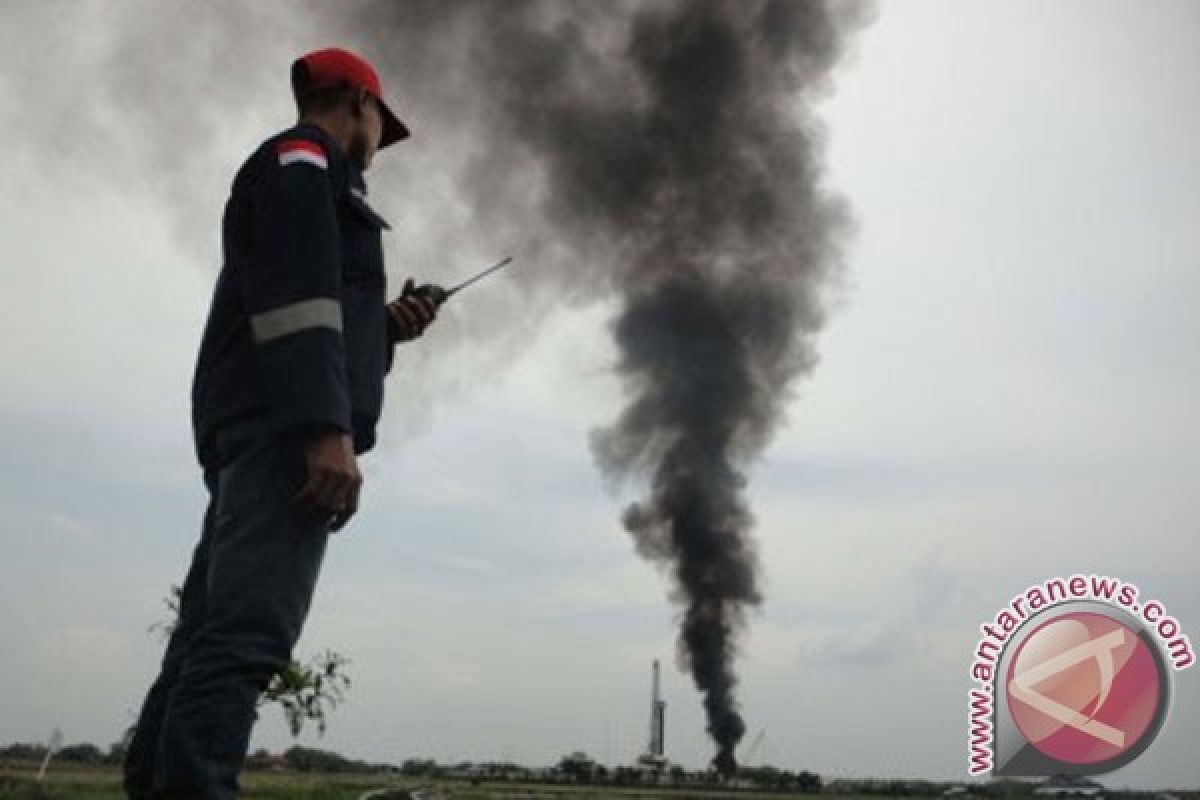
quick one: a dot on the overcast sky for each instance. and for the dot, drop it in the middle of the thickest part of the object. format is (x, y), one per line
(1006, 392)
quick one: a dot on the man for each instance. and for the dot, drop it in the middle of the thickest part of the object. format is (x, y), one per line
(287, 392)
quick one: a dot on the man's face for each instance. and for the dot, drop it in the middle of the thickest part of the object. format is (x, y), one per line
(364, 143)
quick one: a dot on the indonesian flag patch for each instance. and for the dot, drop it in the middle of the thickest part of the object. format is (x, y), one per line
(295, 151)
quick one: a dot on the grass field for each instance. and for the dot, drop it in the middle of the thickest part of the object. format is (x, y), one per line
(105, 784)
(66, 783)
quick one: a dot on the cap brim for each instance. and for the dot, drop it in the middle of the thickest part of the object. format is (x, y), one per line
(393, 129)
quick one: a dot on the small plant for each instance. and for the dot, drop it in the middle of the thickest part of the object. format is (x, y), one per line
(166, 627)
(308, 692)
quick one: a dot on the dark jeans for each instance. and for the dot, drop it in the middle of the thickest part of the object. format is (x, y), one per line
(243, 605)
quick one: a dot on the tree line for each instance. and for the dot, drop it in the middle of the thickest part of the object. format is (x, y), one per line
(82, 753)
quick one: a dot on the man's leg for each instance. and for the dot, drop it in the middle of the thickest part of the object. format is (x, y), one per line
(263, 561)
(139, 760)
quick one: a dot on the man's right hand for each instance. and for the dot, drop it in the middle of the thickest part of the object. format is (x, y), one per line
(334, 482)
(413, 311)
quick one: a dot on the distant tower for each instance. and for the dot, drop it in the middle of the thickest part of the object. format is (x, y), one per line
(655, 757)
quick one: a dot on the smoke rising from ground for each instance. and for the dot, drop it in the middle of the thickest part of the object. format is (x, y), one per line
(676, 157)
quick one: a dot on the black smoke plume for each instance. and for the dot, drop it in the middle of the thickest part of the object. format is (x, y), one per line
(735, 243)
(678, 157)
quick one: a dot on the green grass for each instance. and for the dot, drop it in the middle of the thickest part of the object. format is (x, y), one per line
(75, 783)
(105, 784)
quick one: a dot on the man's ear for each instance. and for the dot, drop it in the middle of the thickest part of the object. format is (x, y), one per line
(360, 100)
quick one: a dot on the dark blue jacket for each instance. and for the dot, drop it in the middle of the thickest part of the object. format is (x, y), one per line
(298, 330)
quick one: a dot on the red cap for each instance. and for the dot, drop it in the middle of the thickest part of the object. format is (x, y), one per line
(333, 66)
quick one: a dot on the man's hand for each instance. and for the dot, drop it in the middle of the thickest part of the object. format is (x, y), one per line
(413, 311)
(331, 490)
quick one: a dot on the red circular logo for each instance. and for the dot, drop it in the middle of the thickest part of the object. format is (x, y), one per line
(1083, 688)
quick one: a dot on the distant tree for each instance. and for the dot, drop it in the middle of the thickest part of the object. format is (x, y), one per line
(626, 776)
(807, 781)
(415, 767)
(577, 766)
(20, 751)
(84, 753)
(308, 759)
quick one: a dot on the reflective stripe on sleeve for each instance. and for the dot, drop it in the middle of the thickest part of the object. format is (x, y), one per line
(320, 312)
